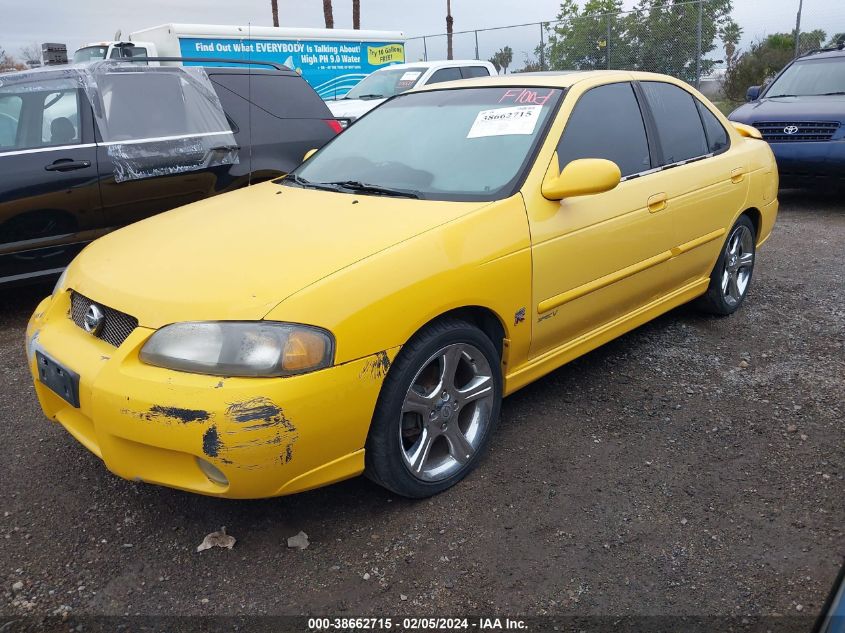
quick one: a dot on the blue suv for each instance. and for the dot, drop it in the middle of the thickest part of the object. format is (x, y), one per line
(801, 113)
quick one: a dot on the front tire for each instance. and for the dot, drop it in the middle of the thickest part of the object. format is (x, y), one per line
(731, 276)
(437, 410)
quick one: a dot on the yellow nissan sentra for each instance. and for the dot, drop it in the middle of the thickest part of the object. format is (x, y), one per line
(368, 312)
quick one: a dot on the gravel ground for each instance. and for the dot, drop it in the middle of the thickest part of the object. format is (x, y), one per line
(694, 466)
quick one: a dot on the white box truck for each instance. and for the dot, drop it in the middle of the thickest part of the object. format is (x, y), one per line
(331, 60)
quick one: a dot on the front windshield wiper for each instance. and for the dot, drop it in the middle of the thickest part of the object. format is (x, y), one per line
(324, 186)
(830, 94)
(363, 187)
(371, 96)
(778, 96)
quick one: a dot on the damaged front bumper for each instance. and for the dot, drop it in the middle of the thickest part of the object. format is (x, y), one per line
(268, 436)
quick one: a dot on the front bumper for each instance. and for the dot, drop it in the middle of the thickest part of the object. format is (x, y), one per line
(810, 164)
(269, 436)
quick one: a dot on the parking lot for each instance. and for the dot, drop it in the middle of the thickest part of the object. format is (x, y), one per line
(694, 466)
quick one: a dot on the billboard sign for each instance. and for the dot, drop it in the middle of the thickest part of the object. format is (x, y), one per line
(332, 67)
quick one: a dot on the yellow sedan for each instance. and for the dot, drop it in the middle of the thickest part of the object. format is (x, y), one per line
(368, 312)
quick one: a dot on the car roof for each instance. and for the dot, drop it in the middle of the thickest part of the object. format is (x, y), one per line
(443, 63)
(550, 79)
(822, 54)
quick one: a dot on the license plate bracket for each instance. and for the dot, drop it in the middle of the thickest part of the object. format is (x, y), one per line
(58, 378)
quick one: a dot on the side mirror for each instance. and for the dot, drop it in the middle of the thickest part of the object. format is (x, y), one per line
(752, 93)
(309, 154)
(581, 177)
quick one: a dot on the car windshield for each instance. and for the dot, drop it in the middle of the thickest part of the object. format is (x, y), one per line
(810, 78)
(386, 83)
(90, 54)
(465, 144)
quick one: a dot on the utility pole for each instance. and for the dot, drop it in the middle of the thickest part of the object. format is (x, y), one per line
(542, 49)
(698, 44)
(798, 27)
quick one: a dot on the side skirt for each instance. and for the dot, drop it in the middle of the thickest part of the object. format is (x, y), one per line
(538, 367)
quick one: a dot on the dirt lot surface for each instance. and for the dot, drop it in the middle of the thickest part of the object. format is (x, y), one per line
(694, 466)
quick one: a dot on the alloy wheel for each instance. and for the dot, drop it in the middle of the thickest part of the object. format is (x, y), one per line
(447, 412)
(739, 262)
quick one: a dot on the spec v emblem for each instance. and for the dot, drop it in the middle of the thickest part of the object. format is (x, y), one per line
(94, 319)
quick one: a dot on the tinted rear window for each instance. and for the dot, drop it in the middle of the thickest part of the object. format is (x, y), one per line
(283, 96)
(678, 123)
(717, 136)
(475, 71)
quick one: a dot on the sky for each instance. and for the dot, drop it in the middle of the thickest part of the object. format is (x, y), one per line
(75, 22)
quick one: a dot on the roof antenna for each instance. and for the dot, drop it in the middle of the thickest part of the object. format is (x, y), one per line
(249, 98)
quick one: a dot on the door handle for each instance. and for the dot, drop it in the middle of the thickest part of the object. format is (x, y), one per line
(657, 202)
(66, 164)
(737, 175)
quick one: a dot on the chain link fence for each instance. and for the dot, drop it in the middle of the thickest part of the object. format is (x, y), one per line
(703, 42)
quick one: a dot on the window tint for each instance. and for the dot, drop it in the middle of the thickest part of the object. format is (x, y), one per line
(10, 115)
(445, 74)
(607, 123)
(474, 71)
(717, 136)
(282, 96)
(60, 121)
(678, 123)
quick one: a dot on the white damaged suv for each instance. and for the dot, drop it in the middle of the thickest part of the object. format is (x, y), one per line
(392, 80)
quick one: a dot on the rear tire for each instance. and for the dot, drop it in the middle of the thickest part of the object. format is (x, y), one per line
(436, 412)
(731, 276)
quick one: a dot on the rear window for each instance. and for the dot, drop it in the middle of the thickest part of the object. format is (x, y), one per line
(283, 96)
(717, 136)
(678, 122)
(475, 71)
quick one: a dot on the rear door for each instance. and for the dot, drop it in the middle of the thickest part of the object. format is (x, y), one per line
(286, 119)
(49, 195)
(708, 183)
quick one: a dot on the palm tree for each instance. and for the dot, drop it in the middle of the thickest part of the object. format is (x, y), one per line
(449, 24)
(356, 14)
(328, 14)
(274, 6)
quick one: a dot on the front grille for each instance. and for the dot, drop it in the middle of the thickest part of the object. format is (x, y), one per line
(808, 131)
(116, 327)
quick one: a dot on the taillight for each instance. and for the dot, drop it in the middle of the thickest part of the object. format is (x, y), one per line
(334, 124)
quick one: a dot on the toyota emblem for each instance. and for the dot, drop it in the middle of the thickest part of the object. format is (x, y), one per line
(94, 319)
(790, 129)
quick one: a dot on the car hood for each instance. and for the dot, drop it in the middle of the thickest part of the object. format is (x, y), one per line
(352, 108)
(831, 108)
(237, 255)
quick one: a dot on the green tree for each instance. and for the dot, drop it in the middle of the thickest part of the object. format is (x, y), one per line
(502, 58)
(836, 40)
(730, 33)
(579, 38)
(664, 35)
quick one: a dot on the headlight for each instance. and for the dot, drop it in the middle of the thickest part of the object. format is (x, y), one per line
(60, 283)
(236, 348)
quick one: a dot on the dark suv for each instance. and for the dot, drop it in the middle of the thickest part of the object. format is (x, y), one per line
(82, 157)
(801, 113)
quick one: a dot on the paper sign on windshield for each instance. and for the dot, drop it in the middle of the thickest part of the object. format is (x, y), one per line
(410, 76)
(505, 121)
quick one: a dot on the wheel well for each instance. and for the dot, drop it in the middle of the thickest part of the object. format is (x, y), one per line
(483, 318)
(756, 219)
